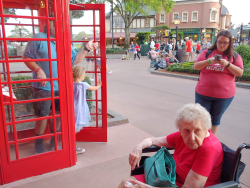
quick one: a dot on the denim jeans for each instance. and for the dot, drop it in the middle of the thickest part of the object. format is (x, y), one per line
(215, 106)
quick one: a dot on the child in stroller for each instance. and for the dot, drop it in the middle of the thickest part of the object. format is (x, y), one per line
(126, 56)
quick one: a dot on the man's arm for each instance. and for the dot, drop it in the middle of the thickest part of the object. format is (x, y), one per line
(80, 56)
(82, 53)
(35, 68)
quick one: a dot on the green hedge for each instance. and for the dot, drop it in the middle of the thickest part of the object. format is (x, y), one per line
(27, 93)
(185, 67)
(188, 68)
(244, 51)
(114, 50)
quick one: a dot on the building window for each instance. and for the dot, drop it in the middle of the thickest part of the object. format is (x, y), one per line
(184, 17)
(213, 15)
(142, 23)
(174, 15)
(134, 23)
(123, 24)
(194, 16)
(138, 22)
(118, 22)
(113, 23)
(147, 22)
(162, 18)
(152, 22)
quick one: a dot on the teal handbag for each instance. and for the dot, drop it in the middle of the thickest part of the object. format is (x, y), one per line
(159, 170)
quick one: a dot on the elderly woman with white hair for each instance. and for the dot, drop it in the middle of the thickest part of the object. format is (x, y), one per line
(198, 152)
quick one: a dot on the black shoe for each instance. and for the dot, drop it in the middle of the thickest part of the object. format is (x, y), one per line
(39, 146)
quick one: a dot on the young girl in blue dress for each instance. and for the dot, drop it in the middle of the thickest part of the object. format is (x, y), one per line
(82, 113)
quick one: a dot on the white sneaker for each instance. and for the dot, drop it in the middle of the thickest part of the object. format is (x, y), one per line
(194, 54)
(92, 79)
(109, 72)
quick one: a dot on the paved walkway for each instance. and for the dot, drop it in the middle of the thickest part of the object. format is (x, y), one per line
(150, 102)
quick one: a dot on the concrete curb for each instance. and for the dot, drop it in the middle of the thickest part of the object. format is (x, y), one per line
(241, 85)
(117, 119)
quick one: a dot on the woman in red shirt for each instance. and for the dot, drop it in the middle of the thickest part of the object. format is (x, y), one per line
(198, 47)
(137, 49)
(198, 152)
(157, 47)
(216, 87)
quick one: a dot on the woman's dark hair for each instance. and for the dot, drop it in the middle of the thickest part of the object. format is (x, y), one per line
(229, 51)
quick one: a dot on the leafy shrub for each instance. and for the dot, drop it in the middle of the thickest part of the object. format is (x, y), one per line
(26, 94)
(244, 51)
(23, 93)
(114, 50)
(185, 67)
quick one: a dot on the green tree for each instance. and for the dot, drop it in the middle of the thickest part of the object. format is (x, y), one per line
(20, 33)
(160, 30)
(129, 9)
(80, 36)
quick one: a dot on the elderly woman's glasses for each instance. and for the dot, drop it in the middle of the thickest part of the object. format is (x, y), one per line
(225, 43)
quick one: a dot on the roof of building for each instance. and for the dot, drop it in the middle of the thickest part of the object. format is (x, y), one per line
(224, 10)
(107, 14)
(234, 32)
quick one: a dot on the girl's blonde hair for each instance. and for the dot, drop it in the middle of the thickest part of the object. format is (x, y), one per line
(78, 71)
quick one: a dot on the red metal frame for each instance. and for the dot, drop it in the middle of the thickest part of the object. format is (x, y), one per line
(11, 170)
(96, 134)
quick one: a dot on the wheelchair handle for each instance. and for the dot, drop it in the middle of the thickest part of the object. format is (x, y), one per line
(237, 159)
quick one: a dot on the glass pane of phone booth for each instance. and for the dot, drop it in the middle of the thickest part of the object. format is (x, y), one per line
(85, 30)
(33, 107)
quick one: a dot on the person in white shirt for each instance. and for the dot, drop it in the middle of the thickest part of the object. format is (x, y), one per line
(152, 44)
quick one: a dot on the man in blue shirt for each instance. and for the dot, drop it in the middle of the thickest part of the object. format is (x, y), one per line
(41, 70)
(132, 49)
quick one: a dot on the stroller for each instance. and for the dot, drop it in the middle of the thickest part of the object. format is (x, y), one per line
(126, 56)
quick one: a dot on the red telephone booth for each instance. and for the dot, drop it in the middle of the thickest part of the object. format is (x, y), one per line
(22, 21)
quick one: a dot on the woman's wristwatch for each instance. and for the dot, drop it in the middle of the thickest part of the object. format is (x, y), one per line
(86, 49)
(228, 64)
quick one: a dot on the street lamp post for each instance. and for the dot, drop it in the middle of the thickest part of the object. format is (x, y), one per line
(238, 33)
(203, 31)
(177, 21)
(241, 31)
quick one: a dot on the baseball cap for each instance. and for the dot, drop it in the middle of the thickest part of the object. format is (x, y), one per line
(186, 38)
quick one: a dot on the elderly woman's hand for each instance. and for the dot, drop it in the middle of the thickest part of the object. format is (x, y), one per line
(135, 156)
(136, 184)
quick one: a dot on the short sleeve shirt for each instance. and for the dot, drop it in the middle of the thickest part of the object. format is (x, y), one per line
(216, 80)
(39, 50)
(132, 46)
(157, 46)
(188, 44)
(205, 161)
(80, 103)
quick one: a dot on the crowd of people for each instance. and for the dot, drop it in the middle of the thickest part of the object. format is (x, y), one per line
(198, 123)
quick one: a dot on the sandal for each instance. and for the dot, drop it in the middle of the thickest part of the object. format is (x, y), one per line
(79, 150)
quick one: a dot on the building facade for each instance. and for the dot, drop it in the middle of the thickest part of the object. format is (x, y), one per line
(139, 24)
(196, 15)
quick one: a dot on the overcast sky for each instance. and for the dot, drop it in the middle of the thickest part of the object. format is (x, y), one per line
(240, 10)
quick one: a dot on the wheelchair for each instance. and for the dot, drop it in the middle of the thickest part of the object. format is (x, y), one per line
(232, 167)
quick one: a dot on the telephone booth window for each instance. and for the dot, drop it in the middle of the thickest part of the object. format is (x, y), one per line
(36, 108)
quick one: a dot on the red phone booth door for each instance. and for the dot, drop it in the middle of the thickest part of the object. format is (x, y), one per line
(88, 23)
(34, 127)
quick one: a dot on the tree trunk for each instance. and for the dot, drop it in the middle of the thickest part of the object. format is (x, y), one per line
(127, 37)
